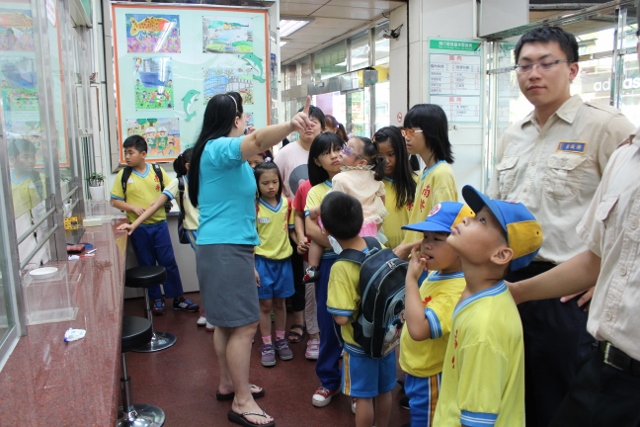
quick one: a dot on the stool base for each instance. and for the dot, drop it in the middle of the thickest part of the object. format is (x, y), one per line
(141, 415)
(160, 341)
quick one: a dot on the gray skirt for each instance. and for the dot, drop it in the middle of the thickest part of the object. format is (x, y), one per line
(228, 284)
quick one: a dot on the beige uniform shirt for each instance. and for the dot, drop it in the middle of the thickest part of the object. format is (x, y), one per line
(555, 170)
(611, 230)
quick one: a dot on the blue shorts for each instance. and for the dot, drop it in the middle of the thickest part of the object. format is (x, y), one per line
(365, 377)
(276, 277)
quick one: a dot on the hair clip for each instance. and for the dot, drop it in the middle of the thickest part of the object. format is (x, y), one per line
(267, 159)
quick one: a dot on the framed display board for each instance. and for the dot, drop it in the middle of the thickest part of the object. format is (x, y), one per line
(170, 60)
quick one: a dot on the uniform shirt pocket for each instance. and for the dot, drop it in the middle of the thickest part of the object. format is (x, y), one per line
(563, 176)
(506, 174)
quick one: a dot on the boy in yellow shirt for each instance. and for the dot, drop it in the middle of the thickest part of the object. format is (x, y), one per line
(483, 373)
(366, 379)
(428, 308)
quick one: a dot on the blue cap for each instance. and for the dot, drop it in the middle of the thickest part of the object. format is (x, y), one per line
(442, 218)
(524, 233)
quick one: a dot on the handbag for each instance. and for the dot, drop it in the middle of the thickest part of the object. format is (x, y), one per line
(183, 236)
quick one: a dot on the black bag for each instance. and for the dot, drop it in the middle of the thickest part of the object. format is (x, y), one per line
(182, 232)
(382, 278)
(127, 173)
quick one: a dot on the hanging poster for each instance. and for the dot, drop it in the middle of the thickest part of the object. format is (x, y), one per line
(165, 76)
(16, 30)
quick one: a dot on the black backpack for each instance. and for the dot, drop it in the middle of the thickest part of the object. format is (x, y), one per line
(382, 277)
(127, 173)
(182, 233)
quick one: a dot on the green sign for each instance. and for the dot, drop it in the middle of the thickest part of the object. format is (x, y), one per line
(459, 45)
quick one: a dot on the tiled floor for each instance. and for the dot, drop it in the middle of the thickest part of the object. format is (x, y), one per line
(182, 380)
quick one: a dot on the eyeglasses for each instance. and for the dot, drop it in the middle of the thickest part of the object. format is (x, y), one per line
(409, 132)
(544, 66)
(349, 152)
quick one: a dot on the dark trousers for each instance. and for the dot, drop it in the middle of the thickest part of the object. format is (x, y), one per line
(297, 299)
(555, 342)
(600, 396)
(328, 363)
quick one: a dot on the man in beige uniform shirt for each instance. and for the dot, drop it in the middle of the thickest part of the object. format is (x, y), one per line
(552, 162)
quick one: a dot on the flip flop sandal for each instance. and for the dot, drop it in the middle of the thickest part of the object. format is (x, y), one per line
(295, 337)
(241, 419)
(230, 396)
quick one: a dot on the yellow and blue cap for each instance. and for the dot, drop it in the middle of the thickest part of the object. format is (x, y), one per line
(524, 233)
(442, 218)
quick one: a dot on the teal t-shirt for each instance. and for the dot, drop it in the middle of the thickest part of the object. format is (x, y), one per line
(226, 195)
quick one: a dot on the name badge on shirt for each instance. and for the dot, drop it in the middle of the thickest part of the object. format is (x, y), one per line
(263, 221)
(130, 181)
(577, 147)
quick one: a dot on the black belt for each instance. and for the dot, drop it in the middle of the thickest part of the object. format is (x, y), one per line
(619, 359)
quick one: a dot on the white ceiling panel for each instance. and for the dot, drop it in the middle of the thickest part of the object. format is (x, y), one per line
(299, 9)
(349, 12)
(373, 4)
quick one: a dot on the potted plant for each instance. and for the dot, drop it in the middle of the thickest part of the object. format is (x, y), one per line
(96, 186)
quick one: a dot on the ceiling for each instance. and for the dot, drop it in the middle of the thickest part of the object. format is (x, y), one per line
(331, 19)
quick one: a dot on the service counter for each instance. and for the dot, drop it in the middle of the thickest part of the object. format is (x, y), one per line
(47, 381)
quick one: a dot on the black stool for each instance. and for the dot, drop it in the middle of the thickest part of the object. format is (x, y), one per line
(143, 277)
(136, 332)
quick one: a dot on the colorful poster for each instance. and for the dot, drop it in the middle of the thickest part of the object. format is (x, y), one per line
(228, 36)
(221, 80)
(248, 122)
(162, 136)
(153, 87)
(153, 33)
(16, 31)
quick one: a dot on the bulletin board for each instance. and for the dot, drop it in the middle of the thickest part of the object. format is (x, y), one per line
(170, 60)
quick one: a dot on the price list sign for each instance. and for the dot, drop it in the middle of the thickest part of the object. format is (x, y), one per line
(455, 79)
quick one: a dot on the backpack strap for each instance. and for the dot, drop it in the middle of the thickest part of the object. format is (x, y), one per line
(356, 256)
(126, 173)
(181, 192)
(37, 182)
(158, 171)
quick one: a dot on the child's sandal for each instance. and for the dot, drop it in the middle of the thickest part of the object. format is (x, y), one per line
(296, 337)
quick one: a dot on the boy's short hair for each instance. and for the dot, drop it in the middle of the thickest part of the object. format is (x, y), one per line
(135, 141)
(442, 218)
(545, 34)
(341, 215)
(524, 233)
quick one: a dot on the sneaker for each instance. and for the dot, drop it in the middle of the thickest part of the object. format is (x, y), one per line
(157, 307)
(353, 405)
(268, 355)
(202, 320)
(322, 396)
(182, 303)
(283, 350)
(313, 348)
(311, 275)
(404, 402)
(210, 327)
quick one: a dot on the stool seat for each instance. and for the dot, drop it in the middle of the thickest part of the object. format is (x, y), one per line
(136, 332)
(145, 276)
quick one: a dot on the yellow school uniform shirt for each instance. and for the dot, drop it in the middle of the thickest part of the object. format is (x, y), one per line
(437, 184)
(316, 195)
(274, 223)
(343, 296)
(483, 372)
(25, 193)
(397, 218)
(440, 294)
(190, 212)
(142, 189)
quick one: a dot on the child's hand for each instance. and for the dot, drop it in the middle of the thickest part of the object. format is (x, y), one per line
(127, 227)
(417, 263)
(138, 210)
(303, 246)
(255, 272)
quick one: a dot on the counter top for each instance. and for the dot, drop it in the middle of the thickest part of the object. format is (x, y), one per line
(49, 382)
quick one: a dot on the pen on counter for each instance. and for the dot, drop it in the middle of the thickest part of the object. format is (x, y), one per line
(92, 251)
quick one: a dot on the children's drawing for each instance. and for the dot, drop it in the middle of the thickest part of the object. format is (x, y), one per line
(248, 122)
(19, 91)
(256, 64)
(153, 85)
(227, 36)
(220, 80)
(16, 31)
(150, 33)
(162, 136)
(187, 101)
(17, 72)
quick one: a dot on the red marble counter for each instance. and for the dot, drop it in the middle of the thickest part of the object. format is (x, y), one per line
(47, 382)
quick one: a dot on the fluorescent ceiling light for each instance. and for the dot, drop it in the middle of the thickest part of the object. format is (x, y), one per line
(289, 26)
